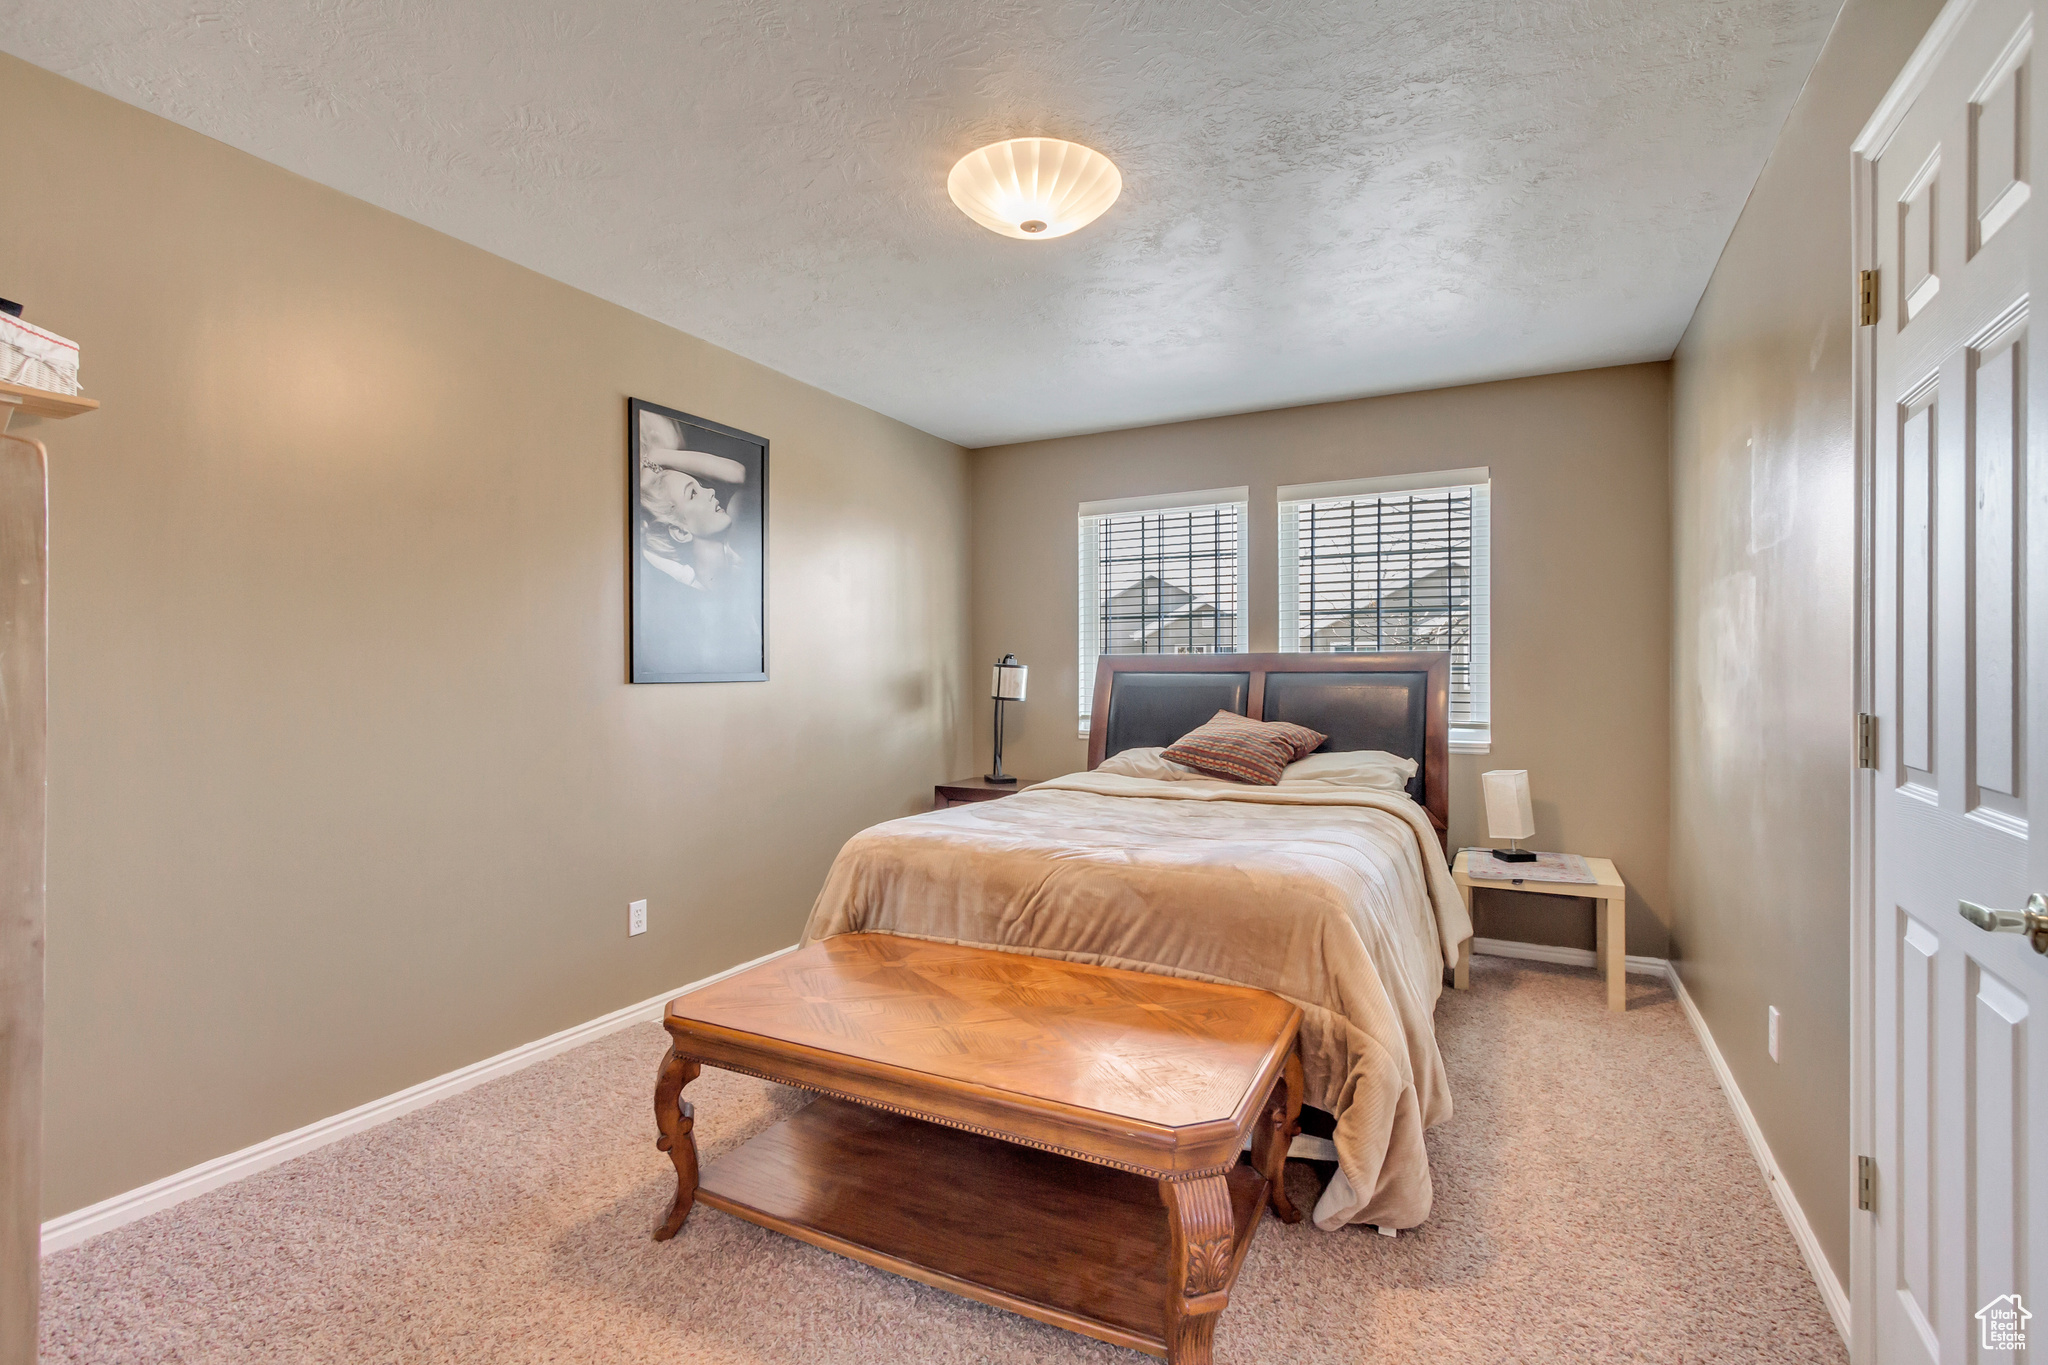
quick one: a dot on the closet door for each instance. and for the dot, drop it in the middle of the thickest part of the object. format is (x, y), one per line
(1960, 612)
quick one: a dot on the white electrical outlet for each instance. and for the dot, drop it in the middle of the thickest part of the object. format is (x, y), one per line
(1774, 1033)
(636, 923)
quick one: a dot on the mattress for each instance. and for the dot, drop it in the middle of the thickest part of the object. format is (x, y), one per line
(1338, 899)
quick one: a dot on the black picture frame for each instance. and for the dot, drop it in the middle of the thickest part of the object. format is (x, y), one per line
(696, 549)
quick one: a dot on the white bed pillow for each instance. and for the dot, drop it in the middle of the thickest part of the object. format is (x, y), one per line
(1147, 763)
(1374, 769)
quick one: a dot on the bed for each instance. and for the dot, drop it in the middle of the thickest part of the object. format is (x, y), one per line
(1338, 899)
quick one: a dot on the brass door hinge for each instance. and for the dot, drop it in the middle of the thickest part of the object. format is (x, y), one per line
(1866, 1183)
(1866, 298)
(1866, 741)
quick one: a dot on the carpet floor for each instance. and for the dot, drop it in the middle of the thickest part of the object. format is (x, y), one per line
(1594, 1202)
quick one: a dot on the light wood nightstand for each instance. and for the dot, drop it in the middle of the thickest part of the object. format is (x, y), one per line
(969, 789)
(1610, 919)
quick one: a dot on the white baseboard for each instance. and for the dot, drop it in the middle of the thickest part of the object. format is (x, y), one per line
(1831, 1291)
(1571, 957)
(70, 1229)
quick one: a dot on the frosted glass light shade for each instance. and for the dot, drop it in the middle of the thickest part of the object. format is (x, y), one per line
(1034, 188)
(1508, 813)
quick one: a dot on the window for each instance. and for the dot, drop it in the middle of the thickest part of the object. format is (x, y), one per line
(1393, 563)
(1161, 575)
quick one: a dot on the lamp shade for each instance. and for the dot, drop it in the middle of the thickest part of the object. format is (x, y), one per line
(1508, 814)
(1034, 188)
(1008, 682)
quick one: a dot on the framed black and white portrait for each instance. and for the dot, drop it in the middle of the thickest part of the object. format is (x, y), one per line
(699, 494)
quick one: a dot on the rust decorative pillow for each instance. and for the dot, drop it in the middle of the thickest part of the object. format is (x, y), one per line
(1241, 749)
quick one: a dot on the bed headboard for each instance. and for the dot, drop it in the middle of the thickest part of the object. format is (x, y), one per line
(1397, 702)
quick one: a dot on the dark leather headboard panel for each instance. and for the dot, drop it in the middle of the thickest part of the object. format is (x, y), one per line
(1154, 709)
(1388, 711)
(1397, 700)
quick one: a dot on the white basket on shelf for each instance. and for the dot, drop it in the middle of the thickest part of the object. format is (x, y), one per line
(37, 359)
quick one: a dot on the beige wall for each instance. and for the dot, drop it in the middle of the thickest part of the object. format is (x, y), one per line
(1581, 590)
(1763, 528)
(347, 788)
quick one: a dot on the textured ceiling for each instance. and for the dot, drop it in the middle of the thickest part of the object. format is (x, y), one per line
(1322, 198)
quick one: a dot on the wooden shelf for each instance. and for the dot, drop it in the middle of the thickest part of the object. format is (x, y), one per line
(43, 402)
(1079, 1246)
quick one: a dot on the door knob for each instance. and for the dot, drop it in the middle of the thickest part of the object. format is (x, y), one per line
(2032, 921)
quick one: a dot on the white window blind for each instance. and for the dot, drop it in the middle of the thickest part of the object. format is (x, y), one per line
(1161, 575)
(1395, 563)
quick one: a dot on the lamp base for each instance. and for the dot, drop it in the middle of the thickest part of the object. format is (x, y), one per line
(1006, 780)
(1513, 855)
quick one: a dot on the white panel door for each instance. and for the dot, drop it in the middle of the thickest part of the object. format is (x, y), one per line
(1960, 615)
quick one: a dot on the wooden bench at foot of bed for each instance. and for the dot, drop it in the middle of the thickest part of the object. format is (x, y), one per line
(1056, 1139)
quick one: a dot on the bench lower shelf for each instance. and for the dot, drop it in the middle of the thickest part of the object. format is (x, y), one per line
(1065, 1242)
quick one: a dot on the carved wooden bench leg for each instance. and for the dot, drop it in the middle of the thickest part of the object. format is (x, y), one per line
(1277, 1127)
(677, 1119)
(1198, 1214)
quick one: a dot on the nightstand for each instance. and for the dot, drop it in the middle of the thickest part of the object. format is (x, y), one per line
(1610, 919)
(969, 789)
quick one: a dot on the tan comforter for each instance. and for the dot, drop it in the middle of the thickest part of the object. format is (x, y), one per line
(1336, 898)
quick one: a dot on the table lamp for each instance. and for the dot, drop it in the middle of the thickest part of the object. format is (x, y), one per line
(1006, 685)
(1508, 814)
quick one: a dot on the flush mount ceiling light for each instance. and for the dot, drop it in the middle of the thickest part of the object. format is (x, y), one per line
(1034, 187)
